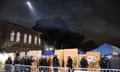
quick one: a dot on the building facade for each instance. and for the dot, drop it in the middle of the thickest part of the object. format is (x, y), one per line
(18, 38)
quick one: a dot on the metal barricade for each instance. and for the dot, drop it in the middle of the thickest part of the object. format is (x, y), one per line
(52, 69)
(2, 68)
(6, 68)
(25, 68)
(18, 68)
(94, 70)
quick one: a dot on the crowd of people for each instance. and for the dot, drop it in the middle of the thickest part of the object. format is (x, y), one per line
(112, 63)
(43, 62)
(104, 63)
(19, 62)
(25, 63)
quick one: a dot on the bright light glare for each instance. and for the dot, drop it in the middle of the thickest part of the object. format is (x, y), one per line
(47, 49)
(51, 49)
(3, 57)
(32, 9)
(29, 4)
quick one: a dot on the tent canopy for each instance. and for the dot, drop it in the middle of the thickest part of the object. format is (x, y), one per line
(105, 49)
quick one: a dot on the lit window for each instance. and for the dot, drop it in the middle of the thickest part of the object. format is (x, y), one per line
(25, 38)
(12, 35)
(35, 40)
(39, 41)
(30, 39)
(18, 37)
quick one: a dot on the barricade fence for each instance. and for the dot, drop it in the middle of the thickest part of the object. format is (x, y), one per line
(52, 69)
(94, 70)
(28, 68)
(18, 68)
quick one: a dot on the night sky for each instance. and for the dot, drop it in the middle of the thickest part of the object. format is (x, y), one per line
(98, 20)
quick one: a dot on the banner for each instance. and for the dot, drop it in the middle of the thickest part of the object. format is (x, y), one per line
(48, 53)
(93, 59)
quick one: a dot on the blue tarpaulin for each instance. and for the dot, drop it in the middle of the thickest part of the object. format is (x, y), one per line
(81, 52)
(48, 53)
(104, 49)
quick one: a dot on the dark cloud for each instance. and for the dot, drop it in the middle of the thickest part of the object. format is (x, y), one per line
(51, 24)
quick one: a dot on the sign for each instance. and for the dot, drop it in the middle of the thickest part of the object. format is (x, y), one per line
(92, 59)
(48, 53)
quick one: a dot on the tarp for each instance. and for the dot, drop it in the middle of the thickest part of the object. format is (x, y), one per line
(48, 53)
(81, 52)
(116, 48)
(104, 49)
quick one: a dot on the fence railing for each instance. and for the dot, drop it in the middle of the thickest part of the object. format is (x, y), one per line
(53, 69)
(27, 68)
(94, 70)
